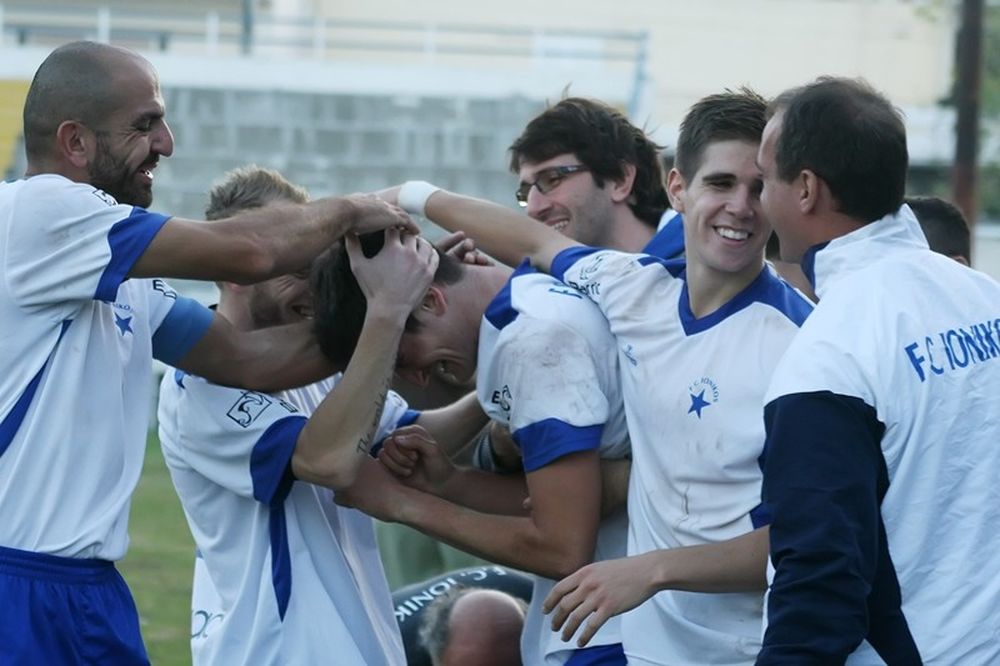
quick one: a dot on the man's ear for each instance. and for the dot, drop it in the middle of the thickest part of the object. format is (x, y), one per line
(811, 189)
(621, 188)
(434, 301)
(675, 190)
(76, 143)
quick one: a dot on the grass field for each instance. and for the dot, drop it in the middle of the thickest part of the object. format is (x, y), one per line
(159, 563)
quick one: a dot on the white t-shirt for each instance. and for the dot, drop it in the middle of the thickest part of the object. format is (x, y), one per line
(548, 369)
(286, 576)
(693, 392)
(76, 346)
(902, 354)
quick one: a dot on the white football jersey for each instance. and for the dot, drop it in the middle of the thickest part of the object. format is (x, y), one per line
(693, 390)
(548, 369)
(286, 576)
(77, 342)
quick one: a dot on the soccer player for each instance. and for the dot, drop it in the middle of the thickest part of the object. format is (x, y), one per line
(697, 341)
(80, 324)
(255, 471)
(546, 367)
(882, 418)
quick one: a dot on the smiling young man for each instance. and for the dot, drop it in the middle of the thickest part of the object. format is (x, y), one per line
(697, 341)
(593, 176)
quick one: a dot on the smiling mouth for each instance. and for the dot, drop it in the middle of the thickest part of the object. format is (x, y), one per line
(558, 226)
(733, 234)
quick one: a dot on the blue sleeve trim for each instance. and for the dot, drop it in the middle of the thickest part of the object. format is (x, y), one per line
(180, 330)
(128, 239)
(834, 584)
(668, 241)
(409, 417)
(545, 441)
(271, 458)
(12, 422)
(565, 259)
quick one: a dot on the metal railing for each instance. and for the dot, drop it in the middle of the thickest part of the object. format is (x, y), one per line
(623, 53)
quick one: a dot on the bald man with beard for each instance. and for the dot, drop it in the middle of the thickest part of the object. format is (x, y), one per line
(84, 310)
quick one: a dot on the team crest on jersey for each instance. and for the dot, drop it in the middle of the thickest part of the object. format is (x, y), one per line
(250, 405)
(123, 321)
(704, 393)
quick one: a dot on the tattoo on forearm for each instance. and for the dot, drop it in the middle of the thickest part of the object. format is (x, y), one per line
(365, 443)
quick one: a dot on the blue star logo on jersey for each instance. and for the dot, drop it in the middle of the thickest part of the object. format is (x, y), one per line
(698, 403)
(124, 324)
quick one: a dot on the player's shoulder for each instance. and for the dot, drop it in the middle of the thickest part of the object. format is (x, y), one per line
(532, 294)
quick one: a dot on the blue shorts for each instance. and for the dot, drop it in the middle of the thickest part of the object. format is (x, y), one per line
(58, 610)
(601, 655)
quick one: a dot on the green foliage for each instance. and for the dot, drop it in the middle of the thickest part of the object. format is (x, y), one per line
(160, 563)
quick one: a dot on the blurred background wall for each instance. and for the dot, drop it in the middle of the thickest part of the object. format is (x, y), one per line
(350, 96)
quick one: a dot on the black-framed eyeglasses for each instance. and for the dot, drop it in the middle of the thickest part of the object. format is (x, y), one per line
(547, 180)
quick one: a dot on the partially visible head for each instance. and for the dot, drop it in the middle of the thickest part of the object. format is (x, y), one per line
(283, 299)
(944, 226)
(838, 136)
(94, 113)
(622, 162)
(436, 341)
(473, 626)
(716, 185)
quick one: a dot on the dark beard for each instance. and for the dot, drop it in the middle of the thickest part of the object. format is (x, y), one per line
(114, 177)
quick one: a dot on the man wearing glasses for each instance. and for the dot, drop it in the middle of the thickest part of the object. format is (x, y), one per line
(593, 176)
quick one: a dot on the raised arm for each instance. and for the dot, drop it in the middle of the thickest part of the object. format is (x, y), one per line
(268, 359)
(498, 231)
(339, 434)
(261, 243)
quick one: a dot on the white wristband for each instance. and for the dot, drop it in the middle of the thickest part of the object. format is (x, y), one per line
(413, 196)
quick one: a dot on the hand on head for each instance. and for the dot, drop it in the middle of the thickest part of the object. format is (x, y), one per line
(462, 248)
(374, 214)
(398, 276)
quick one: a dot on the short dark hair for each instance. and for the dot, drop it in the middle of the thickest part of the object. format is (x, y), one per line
(249, 187)
(75, 82)
(852, 137)
(602, 139)
(339, 304)
(944, 226)
(726, 116)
